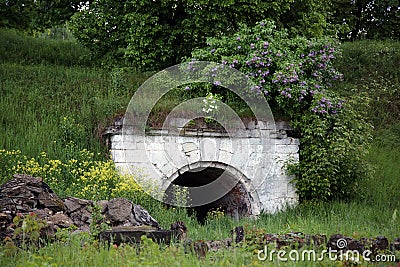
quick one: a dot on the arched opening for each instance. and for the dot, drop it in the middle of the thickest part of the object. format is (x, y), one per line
(236, 202)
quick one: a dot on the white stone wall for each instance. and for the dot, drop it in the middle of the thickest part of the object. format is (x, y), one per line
(256, 156)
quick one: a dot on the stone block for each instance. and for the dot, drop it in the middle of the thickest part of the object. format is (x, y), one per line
(266, 125)
(225, 156)
(227, 144)
(134, 155)
(189, 146)
(158, 158)
(193, 156)
(209, 149)
(118, 155)
(168, 169)
(287, 149)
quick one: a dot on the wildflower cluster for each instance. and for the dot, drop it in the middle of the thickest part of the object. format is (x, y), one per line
(210, 103)
(83, 177)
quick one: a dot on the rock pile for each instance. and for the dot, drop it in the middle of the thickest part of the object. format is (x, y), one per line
(26, 194)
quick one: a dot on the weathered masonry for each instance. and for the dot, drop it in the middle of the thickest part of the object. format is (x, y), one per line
(250, 172)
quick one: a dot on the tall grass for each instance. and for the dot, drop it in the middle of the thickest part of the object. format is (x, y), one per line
(20, 48)
(36, 98)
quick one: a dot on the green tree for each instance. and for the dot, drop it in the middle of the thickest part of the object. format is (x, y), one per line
(378, 19)
(152, 35)
(17, 13)
(54, 12)
(36, 15)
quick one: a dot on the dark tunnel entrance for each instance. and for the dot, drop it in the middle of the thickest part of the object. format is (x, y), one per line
(236, 202)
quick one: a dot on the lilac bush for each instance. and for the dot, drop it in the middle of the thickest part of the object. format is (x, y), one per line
(292, 72)
(295, 75)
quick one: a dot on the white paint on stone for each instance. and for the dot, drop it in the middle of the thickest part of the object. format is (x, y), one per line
(247, 156)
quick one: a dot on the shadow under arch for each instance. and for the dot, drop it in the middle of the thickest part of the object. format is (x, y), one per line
(241, 200)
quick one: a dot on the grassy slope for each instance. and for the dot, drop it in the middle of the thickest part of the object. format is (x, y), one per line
(34, 98)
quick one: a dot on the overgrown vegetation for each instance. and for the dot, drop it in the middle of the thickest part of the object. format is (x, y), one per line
(372, 67)
(55, 106)
(295, 75)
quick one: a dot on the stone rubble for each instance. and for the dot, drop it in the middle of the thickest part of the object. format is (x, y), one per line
(27, 194)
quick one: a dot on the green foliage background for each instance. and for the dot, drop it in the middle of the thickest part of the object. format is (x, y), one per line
(152, 35)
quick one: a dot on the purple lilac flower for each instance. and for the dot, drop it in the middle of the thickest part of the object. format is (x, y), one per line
(217, 83)
(252, 46)
(212, 50)
(187, 88)
(238, 38)
(239, 47)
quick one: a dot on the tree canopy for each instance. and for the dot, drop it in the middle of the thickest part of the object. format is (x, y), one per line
(36, 15)
(152, 35)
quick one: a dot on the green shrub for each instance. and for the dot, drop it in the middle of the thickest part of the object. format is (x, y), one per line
(295, 75)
